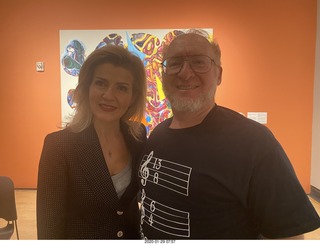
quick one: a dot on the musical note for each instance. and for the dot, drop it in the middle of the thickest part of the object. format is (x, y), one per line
(145, 170)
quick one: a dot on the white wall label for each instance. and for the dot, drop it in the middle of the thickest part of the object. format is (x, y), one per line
(260, 117)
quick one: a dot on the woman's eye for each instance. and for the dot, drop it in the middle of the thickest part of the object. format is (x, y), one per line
(123, 88)
(100, 83)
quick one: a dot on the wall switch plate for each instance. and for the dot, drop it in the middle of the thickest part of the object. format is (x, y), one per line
(40, 66)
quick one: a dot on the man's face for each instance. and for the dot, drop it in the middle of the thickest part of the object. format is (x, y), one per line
(187, 90)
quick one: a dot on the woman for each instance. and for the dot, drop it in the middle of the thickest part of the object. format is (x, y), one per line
(87, 182)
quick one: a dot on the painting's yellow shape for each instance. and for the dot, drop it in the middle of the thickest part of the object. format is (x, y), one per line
(159, 88)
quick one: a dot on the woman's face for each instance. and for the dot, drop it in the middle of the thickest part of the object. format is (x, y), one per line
(110, 93)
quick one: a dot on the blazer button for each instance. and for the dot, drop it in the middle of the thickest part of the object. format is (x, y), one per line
(120, 233)
(119, 212)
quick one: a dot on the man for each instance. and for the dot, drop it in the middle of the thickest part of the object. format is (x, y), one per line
(209, 172)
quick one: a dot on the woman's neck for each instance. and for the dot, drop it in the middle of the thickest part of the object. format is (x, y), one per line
(106, 131)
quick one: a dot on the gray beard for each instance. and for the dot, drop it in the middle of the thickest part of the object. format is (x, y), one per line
(186, 104)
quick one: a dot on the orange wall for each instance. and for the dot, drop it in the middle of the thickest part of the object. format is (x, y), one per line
(268, 53)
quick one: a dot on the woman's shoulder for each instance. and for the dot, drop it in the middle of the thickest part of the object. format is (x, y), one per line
(60, 135)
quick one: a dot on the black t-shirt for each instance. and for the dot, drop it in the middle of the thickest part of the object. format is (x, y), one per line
(226, 178)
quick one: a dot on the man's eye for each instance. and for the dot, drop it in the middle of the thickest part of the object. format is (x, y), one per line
(198, 62)
(174, 62)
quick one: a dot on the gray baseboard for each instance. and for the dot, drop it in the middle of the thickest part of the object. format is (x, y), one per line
(315, 193)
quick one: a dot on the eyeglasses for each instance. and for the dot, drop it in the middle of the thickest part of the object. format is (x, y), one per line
(198, 63)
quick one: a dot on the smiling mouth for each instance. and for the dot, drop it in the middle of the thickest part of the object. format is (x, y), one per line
(106, 107)
(187, 88)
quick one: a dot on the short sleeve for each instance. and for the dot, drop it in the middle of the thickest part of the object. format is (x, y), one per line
(276, 198)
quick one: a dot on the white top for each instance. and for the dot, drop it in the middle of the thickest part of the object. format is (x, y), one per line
(122, 180)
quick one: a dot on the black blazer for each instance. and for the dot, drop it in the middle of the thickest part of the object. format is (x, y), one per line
(76, 198)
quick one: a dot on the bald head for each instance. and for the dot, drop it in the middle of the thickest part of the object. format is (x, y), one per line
(193, 43)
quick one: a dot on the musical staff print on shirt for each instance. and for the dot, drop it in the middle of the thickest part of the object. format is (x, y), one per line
(165, 219)
(174, 177)
(165, 173)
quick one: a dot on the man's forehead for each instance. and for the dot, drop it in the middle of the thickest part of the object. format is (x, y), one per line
(189, 44)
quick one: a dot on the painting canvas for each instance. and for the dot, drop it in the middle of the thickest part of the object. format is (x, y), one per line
(147, 44)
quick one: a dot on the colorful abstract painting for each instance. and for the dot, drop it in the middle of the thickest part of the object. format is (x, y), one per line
(76, 45)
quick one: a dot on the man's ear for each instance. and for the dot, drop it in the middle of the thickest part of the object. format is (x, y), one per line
(219, 75)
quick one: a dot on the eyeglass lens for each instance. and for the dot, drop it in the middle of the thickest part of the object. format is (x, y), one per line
(199, 64)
